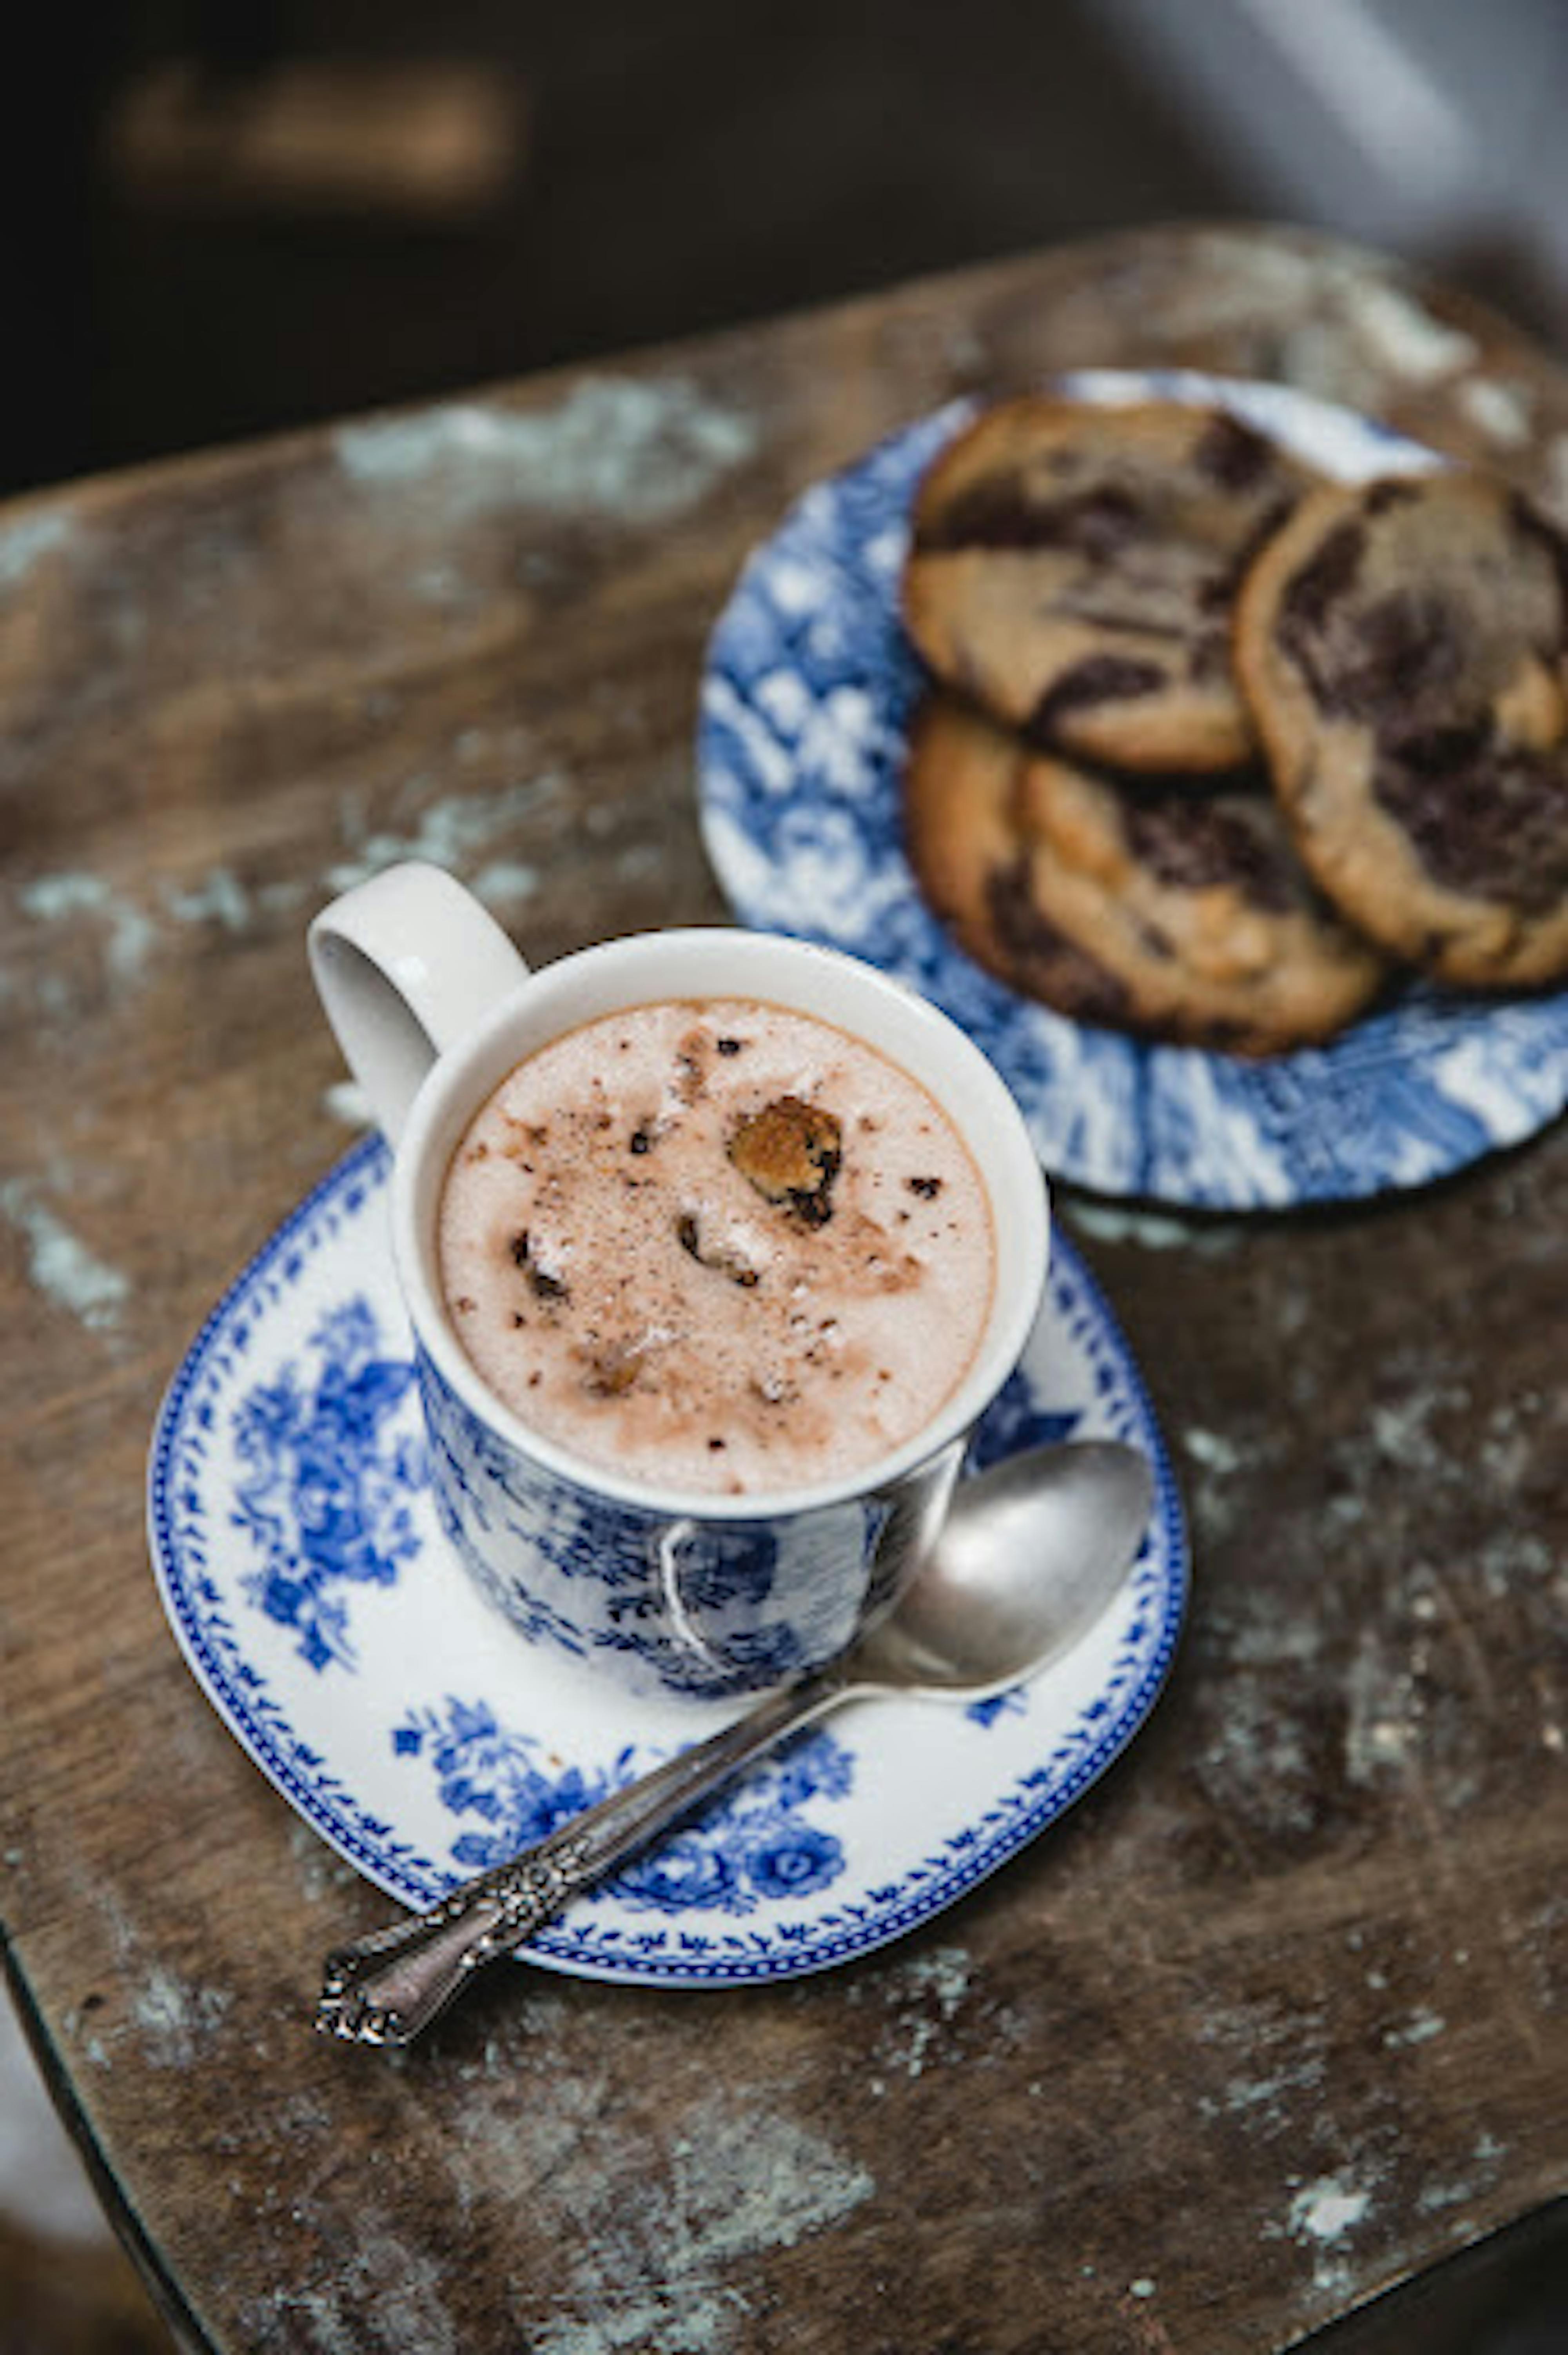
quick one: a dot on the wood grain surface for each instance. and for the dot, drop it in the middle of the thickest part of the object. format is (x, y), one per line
(1276, 2016)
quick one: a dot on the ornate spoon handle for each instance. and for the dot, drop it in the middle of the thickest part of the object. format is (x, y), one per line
(386, 1988)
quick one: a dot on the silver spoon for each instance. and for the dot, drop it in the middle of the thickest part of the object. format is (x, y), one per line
(1028, 1556)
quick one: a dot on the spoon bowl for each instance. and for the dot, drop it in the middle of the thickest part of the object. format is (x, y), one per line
(1030, 1555)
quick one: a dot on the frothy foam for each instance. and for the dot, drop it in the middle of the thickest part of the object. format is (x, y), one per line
(626, 1288)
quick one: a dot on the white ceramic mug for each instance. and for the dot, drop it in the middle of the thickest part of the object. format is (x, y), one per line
(432, 1006)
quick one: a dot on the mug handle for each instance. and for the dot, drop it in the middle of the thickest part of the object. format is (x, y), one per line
(405, 965)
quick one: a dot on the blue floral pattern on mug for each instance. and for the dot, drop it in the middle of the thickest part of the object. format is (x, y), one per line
(326, 1489)
(753, 1846)
(700, 1609)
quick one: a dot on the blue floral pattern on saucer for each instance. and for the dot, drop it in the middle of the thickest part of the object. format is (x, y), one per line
(752, 1845)
(808, 685)
(324, 1496)
(297, 1553)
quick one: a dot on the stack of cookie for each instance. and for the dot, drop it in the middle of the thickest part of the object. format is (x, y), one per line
(1213, 749)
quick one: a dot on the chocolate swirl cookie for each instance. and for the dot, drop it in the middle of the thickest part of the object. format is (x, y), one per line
(972, 863)
(1142, 905)
(1403, 645)
(1073, 569)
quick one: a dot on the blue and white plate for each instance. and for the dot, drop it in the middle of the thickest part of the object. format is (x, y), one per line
(298, 1557)
(808, 685)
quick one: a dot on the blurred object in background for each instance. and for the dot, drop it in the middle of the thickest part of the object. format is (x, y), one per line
(59, 71)
(65, 2286)
(235, 215)
(1432, 128)
(258, 213)
(429, 144)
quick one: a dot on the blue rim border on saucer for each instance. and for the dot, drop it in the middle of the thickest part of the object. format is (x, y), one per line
(1040, 1770)
(807, 686)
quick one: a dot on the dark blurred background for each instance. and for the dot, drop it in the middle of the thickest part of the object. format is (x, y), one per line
(228, 216)
(220, 218)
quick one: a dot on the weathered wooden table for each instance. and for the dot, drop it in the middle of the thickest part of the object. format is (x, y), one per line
(1279, 2016)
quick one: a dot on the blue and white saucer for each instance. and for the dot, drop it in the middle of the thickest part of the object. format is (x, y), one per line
(808, 684)
(296, 1551)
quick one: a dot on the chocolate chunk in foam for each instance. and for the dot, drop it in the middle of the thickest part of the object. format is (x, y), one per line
(792, 1152)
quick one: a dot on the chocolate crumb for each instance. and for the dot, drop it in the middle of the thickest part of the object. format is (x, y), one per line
(614, 1371)
(723, 1260)
(543, 1285)
(729, 1046)
(691, 1066)
(927, 1188)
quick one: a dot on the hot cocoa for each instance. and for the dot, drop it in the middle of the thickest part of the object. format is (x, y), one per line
(717, 1245)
